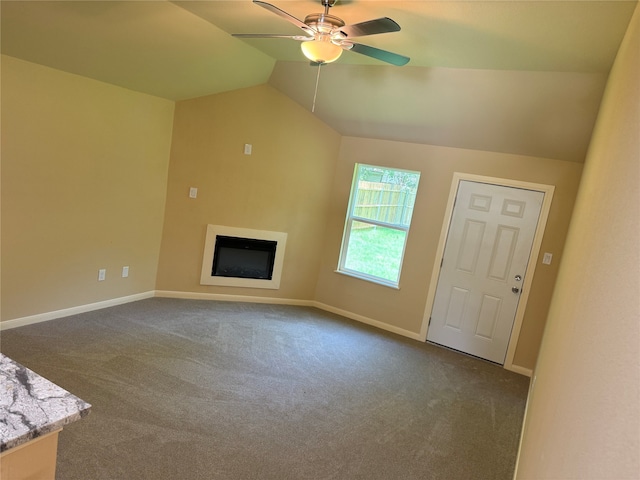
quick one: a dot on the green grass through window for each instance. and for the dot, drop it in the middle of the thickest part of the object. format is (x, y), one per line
(376, 251)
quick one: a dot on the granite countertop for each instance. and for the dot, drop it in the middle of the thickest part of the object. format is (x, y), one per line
(32, 406)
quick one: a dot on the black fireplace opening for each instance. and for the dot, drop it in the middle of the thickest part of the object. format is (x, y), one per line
(243, 257)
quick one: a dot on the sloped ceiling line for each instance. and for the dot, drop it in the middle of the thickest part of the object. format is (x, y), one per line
(519, 77)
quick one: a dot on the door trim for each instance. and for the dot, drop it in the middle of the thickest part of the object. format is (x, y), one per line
(548, 191)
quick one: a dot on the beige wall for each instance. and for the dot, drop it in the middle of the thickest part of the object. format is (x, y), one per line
(583, 416)
(283, 186)
(84, 171)
(404, 308)
(94, 186)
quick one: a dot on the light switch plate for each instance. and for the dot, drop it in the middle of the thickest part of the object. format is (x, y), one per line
(193, 192)
(546, 259)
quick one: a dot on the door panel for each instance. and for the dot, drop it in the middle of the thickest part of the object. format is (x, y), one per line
(457, 302)
(502, 254)
(487, 319)
(470, 246)
(489, 242)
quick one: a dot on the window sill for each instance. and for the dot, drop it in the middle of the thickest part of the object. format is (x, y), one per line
(366, 278)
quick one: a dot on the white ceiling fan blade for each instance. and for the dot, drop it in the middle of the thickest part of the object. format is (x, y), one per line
(383, 55)
(289, 18)
(371, 27)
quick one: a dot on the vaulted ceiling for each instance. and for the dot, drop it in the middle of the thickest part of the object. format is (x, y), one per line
(514, 76)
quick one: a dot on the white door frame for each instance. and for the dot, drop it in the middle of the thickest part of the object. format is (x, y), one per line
(531, 265)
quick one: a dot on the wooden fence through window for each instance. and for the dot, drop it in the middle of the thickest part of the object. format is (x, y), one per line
(384, 202)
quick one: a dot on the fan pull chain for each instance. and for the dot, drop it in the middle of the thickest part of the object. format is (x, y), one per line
(315, 94)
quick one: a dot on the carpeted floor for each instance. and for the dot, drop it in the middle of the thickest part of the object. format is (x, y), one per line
(188, 390)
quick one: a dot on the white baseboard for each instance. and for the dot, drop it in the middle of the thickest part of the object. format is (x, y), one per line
(232, 298)
(368, 321)
(311, 303)
(518, 369)
(288, 301)
(43, 317)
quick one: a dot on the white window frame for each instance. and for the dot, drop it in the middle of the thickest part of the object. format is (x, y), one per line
(350, 218)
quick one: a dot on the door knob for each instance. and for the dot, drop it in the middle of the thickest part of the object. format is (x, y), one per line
(515, 289)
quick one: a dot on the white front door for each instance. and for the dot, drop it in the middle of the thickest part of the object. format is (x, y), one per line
(483, 267)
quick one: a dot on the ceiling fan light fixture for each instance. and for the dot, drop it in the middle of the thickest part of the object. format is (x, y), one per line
(321, 50)
(327, 35)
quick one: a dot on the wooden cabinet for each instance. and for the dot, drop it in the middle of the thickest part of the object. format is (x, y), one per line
(34, 460)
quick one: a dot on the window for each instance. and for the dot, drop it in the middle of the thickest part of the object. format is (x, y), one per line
(377, 225)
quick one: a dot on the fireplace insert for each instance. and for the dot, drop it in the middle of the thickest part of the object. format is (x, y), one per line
(243, 257)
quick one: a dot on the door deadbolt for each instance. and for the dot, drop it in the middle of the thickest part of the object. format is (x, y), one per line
(518, 278)
(515, 289)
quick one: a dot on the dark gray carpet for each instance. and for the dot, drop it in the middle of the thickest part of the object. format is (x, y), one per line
(185, 389)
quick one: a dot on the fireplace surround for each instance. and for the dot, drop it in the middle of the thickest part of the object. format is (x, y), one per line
(242, 257)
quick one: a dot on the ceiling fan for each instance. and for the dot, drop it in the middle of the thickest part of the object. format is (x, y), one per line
(326, 36)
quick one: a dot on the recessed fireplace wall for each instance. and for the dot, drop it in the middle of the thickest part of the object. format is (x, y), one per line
(241, 257)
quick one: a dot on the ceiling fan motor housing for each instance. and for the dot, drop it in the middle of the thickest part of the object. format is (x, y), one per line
(326, 25)
(326, 36)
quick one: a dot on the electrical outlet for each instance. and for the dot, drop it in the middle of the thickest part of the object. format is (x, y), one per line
(193, 192)
(546, 258)
(248, 148)
(125, 272)
(102, 274)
